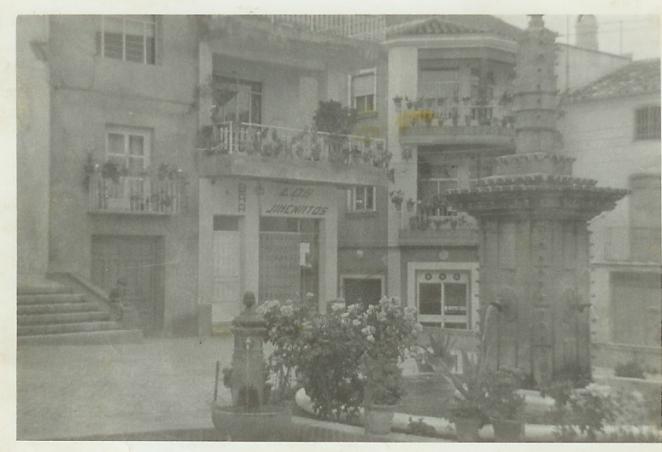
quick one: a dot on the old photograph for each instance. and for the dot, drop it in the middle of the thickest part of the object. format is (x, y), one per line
(338, 228)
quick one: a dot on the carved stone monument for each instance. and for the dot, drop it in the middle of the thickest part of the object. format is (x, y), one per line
(534, 241)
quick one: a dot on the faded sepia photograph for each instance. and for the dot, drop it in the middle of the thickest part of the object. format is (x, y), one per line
(338, 228)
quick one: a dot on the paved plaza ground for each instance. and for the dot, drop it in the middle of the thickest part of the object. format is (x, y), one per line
(81, 390)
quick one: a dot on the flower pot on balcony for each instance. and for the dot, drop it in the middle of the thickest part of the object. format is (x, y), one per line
(378, 419)
(508, 430)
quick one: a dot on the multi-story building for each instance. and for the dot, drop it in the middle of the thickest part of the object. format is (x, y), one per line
(174, 157)
(178, 156)
(612, 128)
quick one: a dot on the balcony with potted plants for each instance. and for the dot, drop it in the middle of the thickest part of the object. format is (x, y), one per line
(113, 189)
(433, 223)
(456, 121)
(274, 152)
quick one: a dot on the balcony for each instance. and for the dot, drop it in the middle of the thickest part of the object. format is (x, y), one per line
(145, 195)
(439, 227)
(281, 153)
(636, 244)
(442, 121)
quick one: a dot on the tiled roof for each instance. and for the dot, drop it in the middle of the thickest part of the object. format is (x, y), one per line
(450, 24)
(638, 77)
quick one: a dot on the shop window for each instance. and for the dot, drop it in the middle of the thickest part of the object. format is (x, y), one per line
(238, 100)
(647, 123)
(361, 199)
(363, 87)
(128, 38)
(443, 299)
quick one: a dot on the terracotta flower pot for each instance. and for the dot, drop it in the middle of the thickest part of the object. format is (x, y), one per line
(466, 428)
(378, 419)
(506, 430)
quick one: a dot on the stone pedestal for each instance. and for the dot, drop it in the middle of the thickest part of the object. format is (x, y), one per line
(248, 371)
(534, 241)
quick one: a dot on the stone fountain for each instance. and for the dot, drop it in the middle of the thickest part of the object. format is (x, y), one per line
(251, 417)
(534, 240)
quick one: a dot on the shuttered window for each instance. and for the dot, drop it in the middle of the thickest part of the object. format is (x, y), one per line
(363, 87)
(647, 123)
(128, 38)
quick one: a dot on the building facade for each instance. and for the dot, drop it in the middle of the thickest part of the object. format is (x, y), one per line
(177, 154)
(612, 128)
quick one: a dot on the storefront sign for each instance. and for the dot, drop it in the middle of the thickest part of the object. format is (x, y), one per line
(285, 200)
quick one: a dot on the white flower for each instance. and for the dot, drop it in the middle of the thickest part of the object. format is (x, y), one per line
(370, 338)
(344, 315)
(287, 310)
(336, 307)
(366, 330)
(356, 322)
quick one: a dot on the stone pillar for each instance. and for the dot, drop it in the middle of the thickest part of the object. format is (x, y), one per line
(402, 82)
(534, 252)
(248, 371)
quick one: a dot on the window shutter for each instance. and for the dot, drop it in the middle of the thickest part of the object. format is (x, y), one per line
(363, 85)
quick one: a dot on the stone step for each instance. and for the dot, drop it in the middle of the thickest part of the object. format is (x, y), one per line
(115, 336)
(60, 328)
(51, 298)
(49, 287)
(56, 308)
(67, 317)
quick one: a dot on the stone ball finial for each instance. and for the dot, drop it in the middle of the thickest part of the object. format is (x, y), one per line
(248, 299)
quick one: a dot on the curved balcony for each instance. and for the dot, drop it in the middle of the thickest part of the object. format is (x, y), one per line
(436, 122)
(281, 153)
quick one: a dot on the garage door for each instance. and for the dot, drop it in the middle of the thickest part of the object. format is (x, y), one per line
(139, 262)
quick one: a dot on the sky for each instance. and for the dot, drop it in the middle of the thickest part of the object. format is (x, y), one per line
(640, 34)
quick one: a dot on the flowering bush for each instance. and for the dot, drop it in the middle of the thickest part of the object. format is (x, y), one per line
(286, 327)
(328, 365)
(332, 356)
(387, 332)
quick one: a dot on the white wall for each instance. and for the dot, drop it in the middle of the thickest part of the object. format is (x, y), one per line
(600, 135)
(33, 127)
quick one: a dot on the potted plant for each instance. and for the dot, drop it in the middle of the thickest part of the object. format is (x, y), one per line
(388, 332)
(397, 196)
(410, 204)
(505, 405)
(468, 409)
(397, 100)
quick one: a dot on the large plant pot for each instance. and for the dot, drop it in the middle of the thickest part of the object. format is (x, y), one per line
(268, 423)
(378, 419)
(466, 428)
(506, 430)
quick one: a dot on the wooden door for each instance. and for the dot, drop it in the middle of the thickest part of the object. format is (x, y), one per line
(138, 261)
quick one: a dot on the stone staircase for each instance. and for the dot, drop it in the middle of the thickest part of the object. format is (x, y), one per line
(51, 313)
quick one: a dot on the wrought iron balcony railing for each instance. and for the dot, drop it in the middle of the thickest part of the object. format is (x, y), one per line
(293, 144)
(135, 194)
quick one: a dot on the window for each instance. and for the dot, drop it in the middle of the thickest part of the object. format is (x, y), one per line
(361, 289)
(443, 298)
(647, 123)
(362, 88)
(129, 38)
(361, 199)
(238, 100)
(129, 148)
